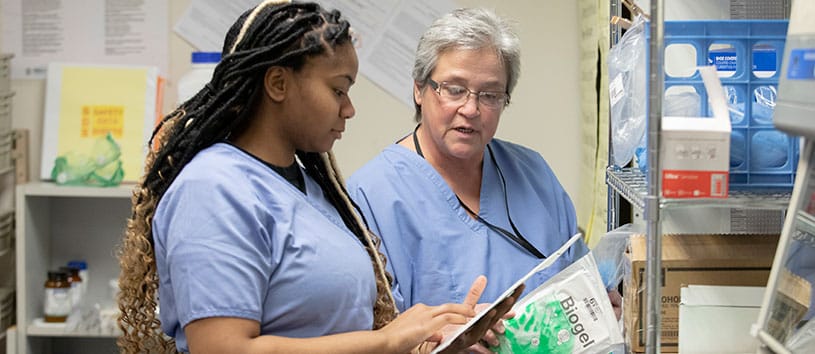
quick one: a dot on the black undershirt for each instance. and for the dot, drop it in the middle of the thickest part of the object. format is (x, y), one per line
(291, 173)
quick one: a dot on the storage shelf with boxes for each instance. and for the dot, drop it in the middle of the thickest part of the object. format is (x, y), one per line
(743, 260)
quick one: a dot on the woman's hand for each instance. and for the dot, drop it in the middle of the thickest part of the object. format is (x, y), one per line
(490, 339)
(422, 323)
(484, 333)
(616, 302)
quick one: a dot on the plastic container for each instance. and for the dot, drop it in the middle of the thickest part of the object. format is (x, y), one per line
(83, 273)
(76, 285)
(203, 65)
(747, 55)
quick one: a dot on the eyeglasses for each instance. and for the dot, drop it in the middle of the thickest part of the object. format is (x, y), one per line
(457, 94)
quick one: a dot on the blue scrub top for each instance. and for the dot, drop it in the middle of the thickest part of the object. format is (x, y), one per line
(235, 239)
(435, 250)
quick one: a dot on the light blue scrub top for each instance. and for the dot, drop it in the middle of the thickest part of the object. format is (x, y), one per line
(436, 250)
(234, 239)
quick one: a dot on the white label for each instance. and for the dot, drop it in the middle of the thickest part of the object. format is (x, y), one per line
(616, 91)
(57, 302)
(76, 293)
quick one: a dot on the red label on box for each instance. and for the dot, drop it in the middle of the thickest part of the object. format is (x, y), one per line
(694, 184)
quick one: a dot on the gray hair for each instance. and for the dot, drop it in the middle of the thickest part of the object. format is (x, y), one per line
(468, 28)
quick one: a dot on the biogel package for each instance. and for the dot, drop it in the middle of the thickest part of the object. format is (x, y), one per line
(569, 313)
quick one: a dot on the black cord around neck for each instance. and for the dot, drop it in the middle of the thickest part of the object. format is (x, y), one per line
(517, 236)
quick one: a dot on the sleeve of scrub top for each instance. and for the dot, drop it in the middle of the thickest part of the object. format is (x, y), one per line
(218, 253)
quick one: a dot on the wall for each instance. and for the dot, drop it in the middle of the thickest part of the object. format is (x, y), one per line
(543, 115)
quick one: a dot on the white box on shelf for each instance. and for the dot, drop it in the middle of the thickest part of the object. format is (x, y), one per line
(695, 151)
(717, 319)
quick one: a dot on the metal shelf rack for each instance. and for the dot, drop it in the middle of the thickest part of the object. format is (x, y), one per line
(643, 190)
(631, 184)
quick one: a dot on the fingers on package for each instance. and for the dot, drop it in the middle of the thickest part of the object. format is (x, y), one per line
(569, 313)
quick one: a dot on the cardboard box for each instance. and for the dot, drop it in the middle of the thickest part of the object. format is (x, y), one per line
(695, 152)
(717, 319)
(738, 260)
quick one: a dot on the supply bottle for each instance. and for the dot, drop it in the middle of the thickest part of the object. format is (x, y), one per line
(203, 65)
(57, 297)
(83, 273)
(76, 285)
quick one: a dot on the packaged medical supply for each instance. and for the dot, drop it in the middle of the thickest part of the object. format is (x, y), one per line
(627, 92)
(99, 165)
(568, 314)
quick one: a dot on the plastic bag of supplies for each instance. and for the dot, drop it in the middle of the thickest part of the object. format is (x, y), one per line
(627, 92)
(568, 314)
(100, 165)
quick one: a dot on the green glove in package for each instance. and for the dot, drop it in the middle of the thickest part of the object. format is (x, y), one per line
(568, 314)
(100, 166)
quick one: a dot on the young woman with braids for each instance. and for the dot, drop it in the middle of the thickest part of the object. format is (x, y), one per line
(241, 228)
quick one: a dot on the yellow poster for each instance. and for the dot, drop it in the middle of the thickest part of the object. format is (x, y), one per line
(87, 102)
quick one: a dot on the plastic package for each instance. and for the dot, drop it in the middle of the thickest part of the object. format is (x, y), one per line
(738, 151)
(203, 66)
(626, 65)
(682, 104)
(734, 104)
(768, 149)
(100, 166)
(803, 341)
(609, 254)
(641, 153)
(569, 313)
(108, 311)
(764, 104)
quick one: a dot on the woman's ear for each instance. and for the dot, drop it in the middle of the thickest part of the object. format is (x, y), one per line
(417, 93)
(275, 83)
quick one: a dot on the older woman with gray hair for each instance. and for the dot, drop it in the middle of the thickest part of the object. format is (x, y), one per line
(449, 200)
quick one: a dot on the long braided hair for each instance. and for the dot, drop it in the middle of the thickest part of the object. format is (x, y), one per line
(275, 33)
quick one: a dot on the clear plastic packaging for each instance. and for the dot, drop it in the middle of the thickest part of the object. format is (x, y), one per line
(609, 254)
(627, 92)
(101, 166)
(764, 104)
(568, 314)
(682, 104)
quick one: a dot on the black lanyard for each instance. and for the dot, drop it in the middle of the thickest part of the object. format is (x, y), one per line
(517, 236)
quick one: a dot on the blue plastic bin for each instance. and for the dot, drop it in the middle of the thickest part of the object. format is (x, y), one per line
(747, 54)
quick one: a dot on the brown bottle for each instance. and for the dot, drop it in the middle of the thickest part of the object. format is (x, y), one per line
(57, 305)
(76, 284)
